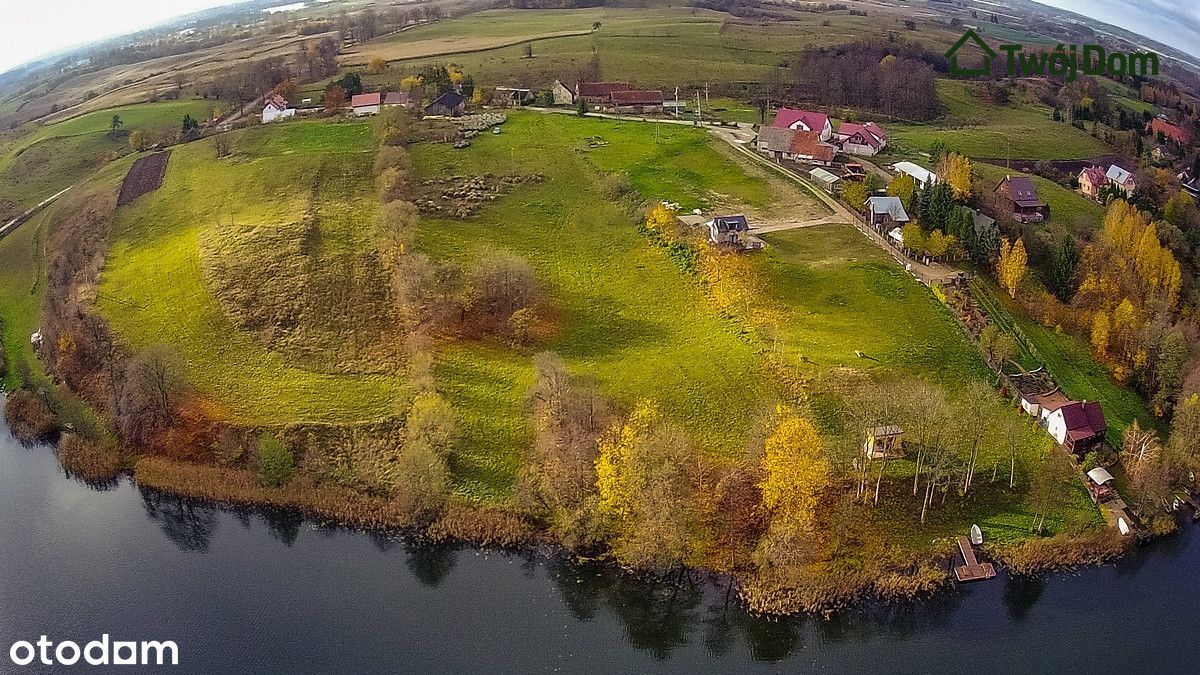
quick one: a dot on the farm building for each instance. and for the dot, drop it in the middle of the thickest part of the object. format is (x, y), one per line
(1091, 179)
(449, 104)
(860, 139)
(827, 181)
(886, 442)
(636, 101)
(923, 176)
(275, 107)
(395, 98)
(599, 93)
(1171, 132)
(1122, 179)
(884, 213)
(1021, 199)
(506, 97)
(561, 95)
(366, 104)
(728, 231)
(804, 120)
(1078, 426)
(795, 145)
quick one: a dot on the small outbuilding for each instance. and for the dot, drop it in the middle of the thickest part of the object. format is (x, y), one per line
(886, 442)
(1099, 485)
(561, 95)
(826, 179)
(923, 176)
(728, 231)
(276, 107)
(449, 104)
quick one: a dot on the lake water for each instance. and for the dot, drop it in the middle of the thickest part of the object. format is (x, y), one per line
(241, 591)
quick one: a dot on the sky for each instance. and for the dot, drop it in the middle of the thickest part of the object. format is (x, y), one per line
(1171, 22)
(33, 28)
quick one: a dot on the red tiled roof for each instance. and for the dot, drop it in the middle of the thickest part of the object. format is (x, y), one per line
(1179, 134)
(786, 118)
(637, 97)
(365, 99)
(808, 143)
(1095, 175)
(396, 98)
(276, 101)
(602, 89)
(872, 134)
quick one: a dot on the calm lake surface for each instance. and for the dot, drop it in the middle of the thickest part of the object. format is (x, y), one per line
(245, 591)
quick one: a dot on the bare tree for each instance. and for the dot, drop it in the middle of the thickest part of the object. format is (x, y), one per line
(154, 387)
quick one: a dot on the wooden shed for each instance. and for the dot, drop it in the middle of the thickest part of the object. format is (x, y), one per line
(886, 442)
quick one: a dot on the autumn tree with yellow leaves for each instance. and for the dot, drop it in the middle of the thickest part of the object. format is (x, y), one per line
(1012, 265)
(956, 170)
(795, 471)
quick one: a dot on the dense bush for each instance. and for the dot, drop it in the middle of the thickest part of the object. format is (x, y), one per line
(30, 419)
(275, 462)
(87, 459)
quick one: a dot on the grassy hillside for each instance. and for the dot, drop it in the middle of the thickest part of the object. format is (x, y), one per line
(660, 46)
(37, 163)
(20, 292)
(154, 288)
(1023, 129)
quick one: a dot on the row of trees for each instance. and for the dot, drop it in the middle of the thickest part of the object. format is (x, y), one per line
(896, 79)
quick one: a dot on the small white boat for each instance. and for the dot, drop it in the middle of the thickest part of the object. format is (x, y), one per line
(976, 535)
(1122, 526)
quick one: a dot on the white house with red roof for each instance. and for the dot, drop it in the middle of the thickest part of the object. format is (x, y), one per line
(366, 104)
(804, 120)
(275, 107)
(860, 139)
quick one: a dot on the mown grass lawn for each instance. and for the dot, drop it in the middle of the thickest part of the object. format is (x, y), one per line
(1022, 129)
(841, 293)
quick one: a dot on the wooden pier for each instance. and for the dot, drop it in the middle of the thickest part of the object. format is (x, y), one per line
(973, 570)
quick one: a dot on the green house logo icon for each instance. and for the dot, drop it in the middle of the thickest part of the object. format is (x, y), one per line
(988, 55)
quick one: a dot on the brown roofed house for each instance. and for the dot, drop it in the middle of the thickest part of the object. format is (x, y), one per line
(599, 92)
(1021, 199)
(1078, 426)
(636, 101)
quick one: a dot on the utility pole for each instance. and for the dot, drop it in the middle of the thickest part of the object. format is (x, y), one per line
(699, 110)
(676, 102)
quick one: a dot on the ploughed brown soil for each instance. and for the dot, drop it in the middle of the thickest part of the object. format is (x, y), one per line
(144, 177)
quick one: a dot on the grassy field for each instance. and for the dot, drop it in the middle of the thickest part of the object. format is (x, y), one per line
(660, 46)
(38, 163)
(154, 289)
(1024, 129)
(20, 292)
(843, 294)
(631, 320)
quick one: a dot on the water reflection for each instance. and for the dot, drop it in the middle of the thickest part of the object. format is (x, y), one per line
(188, 524)
(430, 563)
(1021, 593)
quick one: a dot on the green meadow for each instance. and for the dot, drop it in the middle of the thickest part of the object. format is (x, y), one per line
(1022, 129)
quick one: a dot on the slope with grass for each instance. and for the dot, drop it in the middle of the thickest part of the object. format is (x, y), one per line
(630, 318)
(20, 294)
(154, 288)
(37, 163)
(1022, 129)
